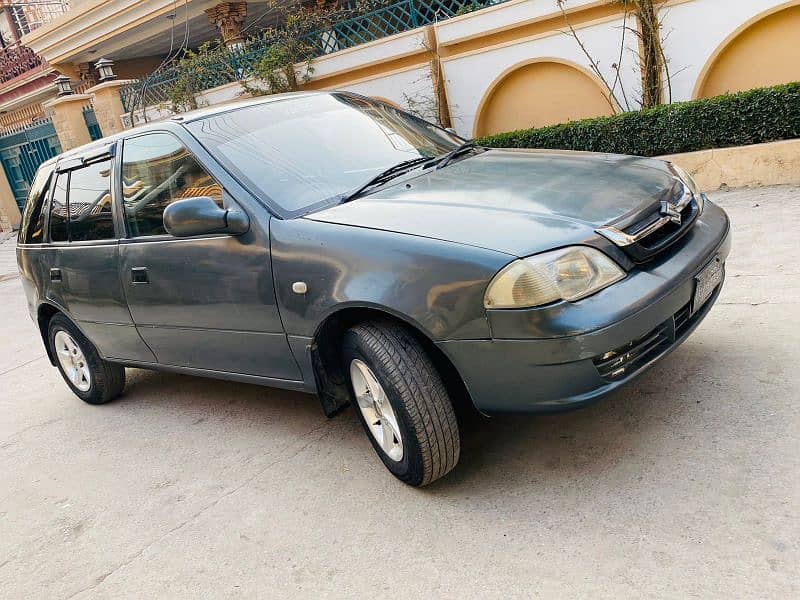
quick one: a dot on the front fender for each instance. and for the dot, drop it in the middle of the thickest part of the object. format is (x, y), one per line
(438, 286)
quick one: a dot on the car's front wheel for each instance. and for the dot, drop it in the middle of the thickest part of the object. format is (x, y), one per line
(91, 378)
(401, 401)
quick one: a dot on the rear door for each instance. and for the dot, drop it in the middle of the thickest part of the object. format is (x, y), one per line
(79, 263)
(204, 302)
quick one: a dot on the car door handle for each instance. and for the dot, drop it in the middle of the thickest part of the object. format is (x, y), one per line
(55, 275)
(139, 275)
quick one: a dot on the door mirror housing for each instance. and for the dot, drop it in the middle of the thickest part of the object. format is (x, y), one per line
(201, 215)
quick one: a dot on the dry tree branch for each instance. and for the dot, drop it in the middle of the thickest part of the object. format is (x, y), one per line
(612, 99)
(667, 74)
(618, 64)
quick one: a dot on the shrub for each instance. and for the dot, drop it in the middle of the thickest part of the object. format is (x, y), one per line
(751, 117)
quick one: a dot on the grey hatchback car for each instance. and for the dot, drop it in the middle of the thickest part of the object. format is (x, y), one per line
(331, 243)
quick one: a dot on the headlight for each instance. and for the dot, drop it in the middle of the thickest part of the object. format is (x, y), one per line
(567, 274)
(690, 184)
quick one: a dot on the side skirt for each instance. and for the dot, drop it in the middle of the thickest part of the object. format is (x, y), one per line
(285, 384)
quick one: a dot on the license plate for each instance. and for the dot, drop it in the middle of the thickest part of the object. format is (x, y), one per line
(707, 281)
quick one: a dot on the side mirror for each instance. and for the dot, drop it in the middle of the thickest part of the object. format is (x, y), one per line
(200, 215)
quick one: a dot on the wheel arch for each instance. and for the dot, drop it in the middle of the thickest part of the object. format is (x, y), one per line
(326, 346)
(44, 314)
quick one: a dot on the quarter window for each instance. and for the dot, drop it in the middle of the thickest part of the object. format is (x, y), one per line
(32, 229)
(58, 210)
(158, 170)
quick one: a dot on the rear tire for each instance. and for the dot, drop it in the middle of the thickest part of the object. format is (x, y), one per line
(91, 378)
(387, 357)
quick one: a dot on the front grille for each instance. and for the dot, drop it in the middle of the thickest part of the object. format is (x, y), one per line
(645, 235)
(665, 236)
(616, 364)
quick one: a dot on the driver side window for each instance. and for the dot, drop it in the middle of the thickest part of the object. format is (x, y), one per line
(157, 170)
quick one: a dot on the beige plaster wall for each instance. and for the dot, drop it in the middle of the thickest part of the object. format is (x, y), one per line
(743, 166)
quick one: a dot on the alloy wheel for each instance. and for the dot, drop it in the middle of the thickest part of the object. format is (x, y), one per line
(376, 410)
(72, 361)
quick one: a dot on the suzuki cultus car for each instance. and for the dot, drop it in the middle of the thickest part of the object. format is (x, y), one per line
(330, 243)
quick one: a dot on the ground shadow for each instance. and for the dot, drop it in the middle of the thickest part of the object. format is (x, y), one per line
(502, 451)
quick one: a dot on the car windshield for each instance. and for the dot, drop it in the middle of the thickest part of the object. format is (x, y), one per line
(308, 151)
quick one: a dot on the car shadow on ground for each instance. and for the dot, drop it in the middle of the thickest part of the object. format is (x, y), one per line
(504, 451)
(629, 424)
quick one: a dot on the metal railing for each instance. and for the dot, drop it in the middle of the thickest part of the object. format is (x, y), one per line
(27, 15)
(16, 60)
(361, 28)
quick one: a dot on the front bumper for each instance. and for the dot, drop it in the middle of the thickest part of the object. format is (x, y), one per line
(551, 358)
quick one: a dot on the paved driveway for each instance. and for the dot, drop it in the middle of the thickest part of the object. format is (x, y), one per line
(686, 484)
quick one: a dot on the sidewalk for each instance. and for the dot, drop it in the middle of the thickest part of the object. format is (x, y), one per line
(8, 256)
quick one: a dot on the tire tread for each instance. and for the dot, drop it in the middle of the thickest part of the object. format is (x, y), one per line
(422, 392)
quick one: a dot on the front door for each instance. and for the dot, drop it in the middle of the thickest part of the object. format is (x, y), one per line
(204, 302)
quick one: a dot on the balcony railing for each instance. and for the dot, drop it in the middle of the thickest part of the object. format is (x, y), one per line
(359, 29)
(16, 60)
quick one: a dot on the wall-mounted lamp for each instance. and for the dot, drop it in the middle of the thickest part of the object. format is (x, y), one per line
(63, 85)
(104, 68)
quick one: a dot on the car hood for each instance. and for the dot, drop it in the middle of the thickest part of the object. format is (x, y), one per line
(512, 201)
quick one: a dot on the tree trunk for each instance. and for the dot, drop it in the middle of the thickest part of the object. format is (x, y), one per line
(651, 54)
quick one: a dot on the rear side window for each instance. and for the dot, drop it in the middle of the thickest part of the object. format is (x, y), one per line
(157, 170)
(81, 206)
(32, 229)
(58, 210)
(90, 216)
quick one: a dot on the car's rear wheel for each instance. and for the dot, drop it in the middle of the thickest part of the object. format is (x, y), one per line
(401, 401)
(91, 378)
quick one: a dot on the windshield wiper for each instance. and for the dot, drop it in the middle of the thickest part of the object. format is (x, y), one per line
(461, 149)
(384, 176)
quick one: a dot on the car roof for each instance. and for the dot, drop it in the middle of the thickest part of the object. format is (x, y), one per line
(183, 118)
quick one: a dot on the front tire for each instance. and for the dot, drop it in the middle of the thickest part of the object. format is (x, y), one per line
(91, 378)
(401, 401)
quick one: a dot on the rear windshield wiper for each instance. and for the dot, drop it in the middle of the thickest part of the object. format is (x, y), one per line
(386, 175)
(461, 149)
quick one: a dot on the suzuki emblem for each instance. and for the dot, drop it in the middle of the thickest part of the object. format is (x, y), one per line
(669, 210)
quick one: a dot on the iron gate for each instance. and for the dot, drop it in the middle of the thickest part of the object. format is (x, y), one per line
(21, 153)
(91, 123)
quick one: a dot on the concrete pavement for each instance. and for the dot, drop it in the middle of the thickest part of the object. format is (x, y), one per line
(686, 484)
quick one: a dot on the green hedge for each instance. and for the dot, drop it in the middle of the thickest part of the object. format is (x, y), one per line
(751, 117)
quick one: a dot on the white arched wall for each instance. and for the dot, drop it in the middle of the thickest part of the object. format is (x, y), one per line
(696, 29)
(539, 92)
(470, 76)
(762, 52)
